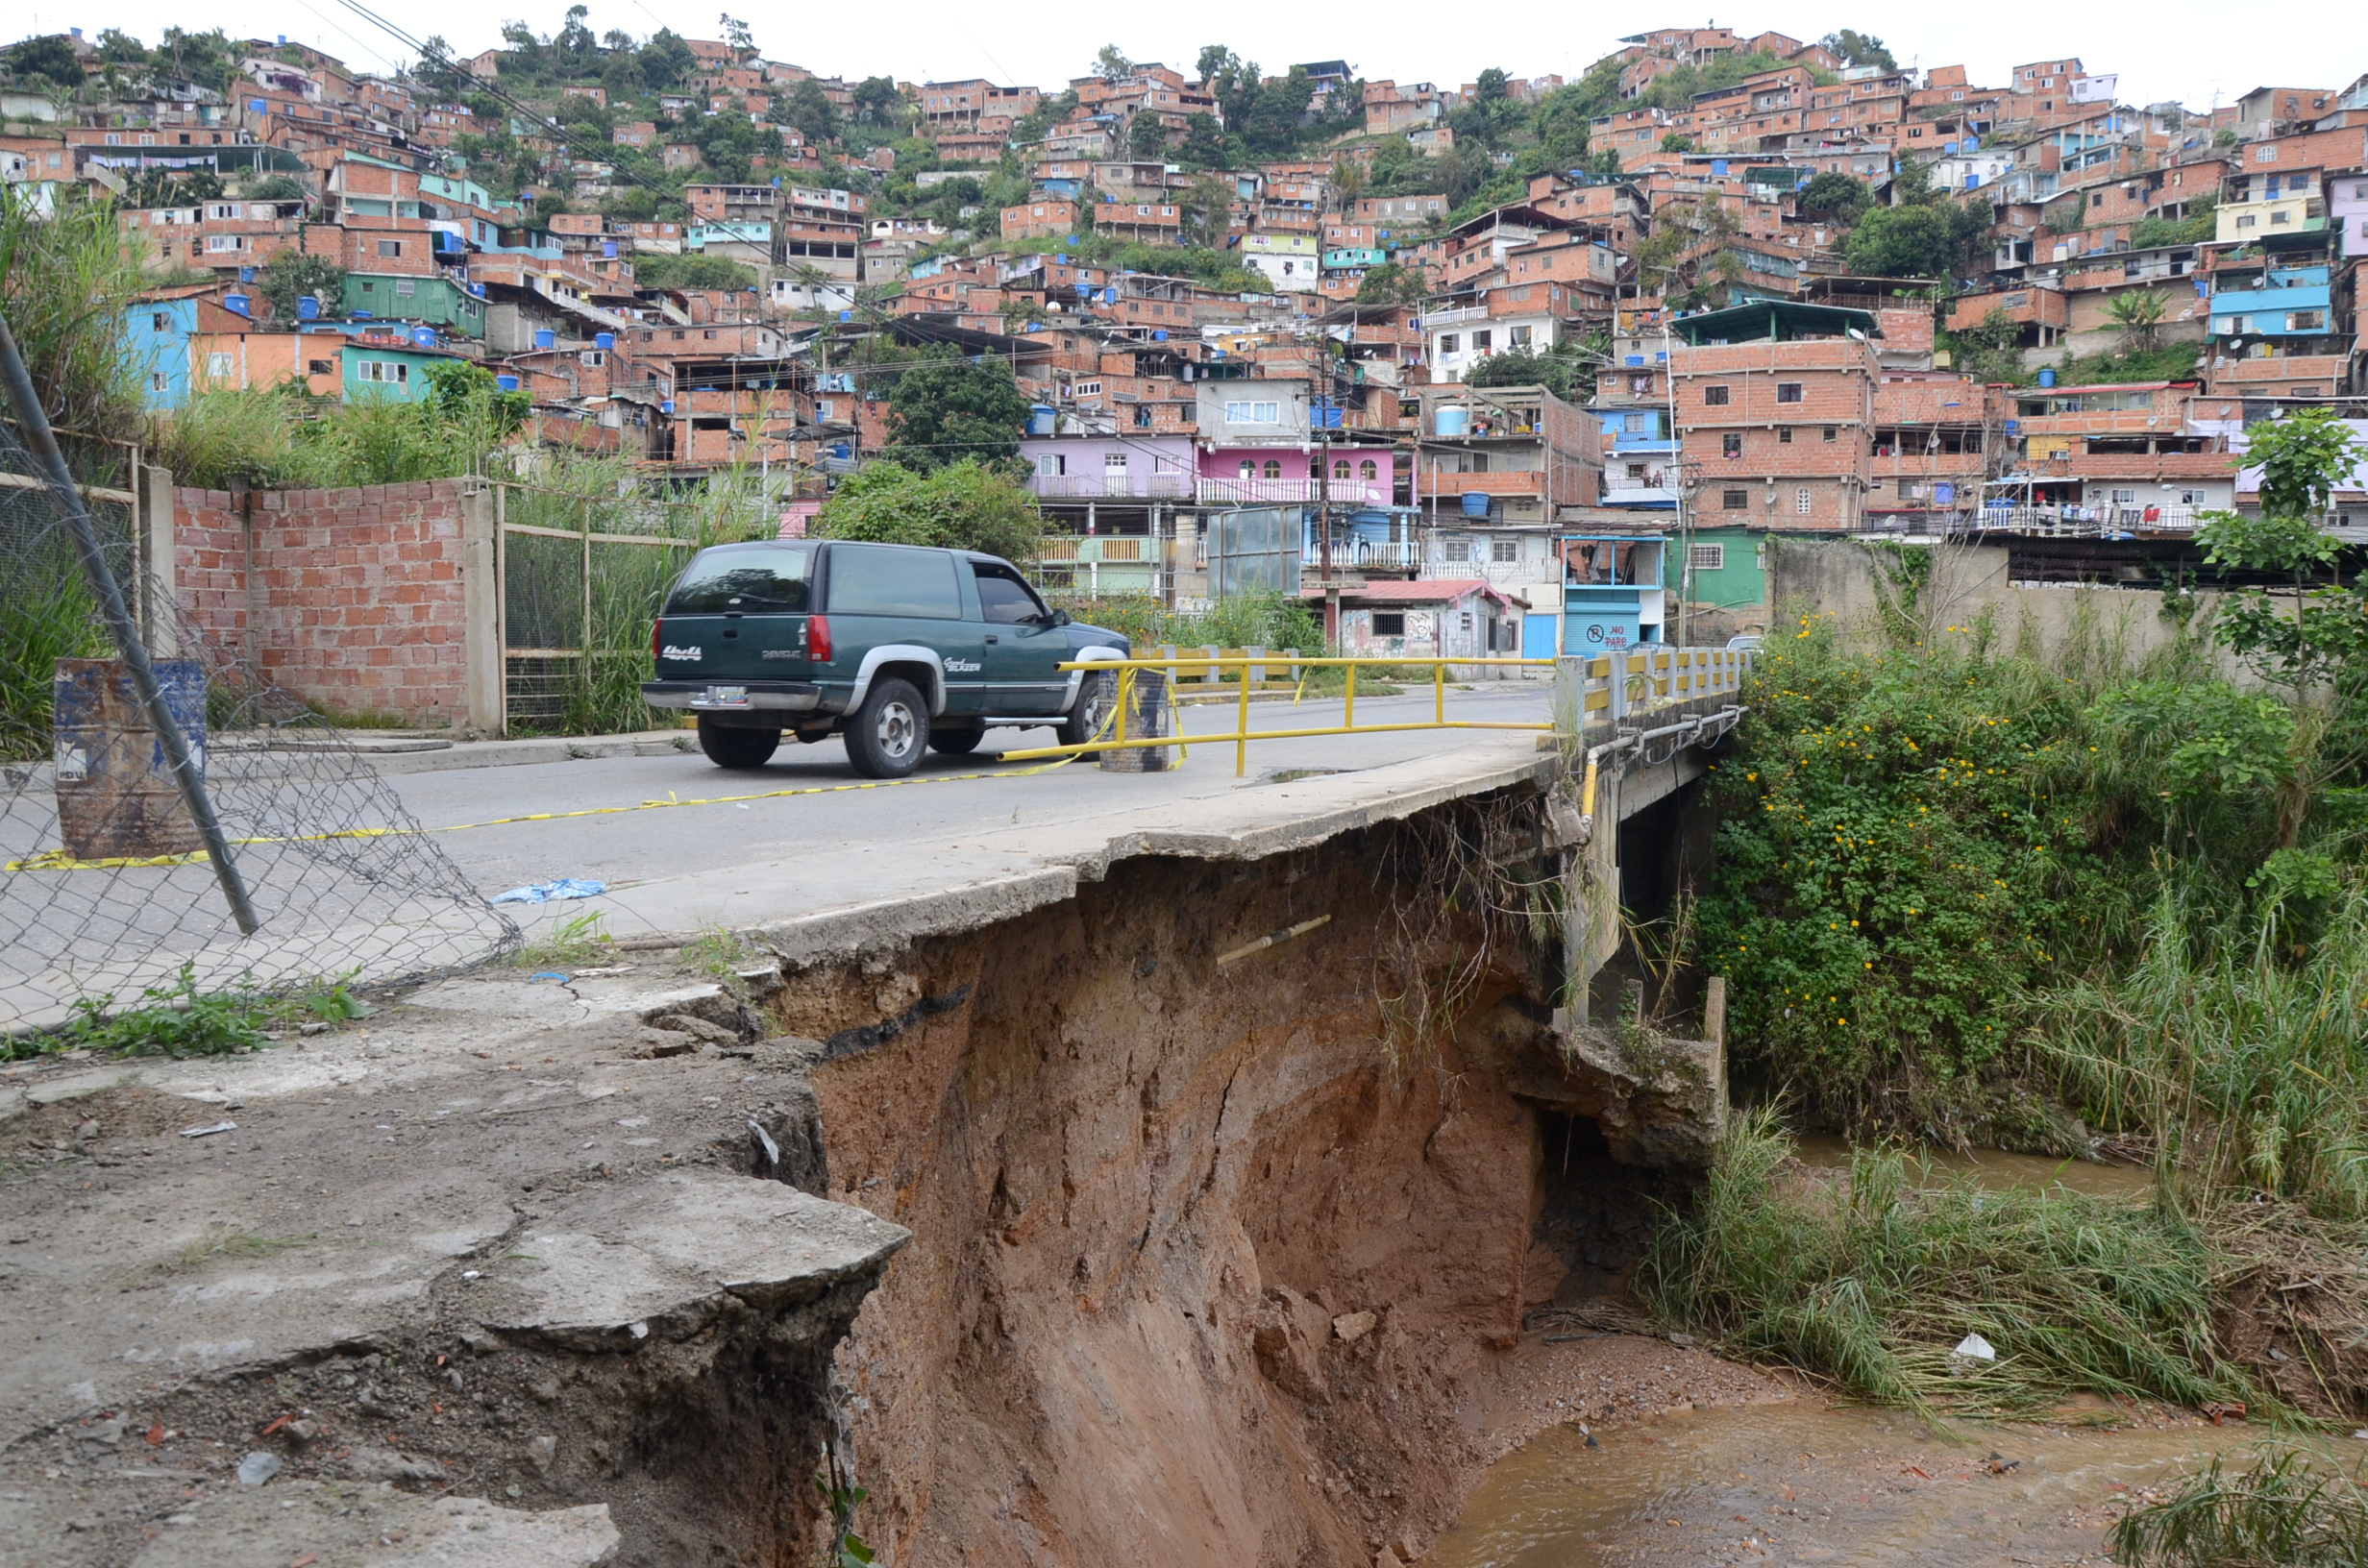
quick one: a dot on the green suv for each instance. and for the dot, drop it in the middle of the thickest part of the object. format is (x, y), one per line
(896, 647)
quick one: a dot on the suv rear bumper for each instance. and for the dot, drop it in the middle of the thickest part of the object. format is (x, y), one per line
(771, 696)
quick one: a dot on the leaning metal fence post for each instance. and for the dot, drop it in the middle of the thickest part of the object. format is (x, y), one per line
(119, 626)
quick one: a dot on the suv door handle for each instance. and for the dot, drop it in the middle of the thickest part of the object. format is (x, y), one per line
(993, 639)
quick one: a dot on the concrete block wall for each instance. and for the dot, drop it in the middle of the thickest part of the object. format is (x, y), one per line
(350, 598)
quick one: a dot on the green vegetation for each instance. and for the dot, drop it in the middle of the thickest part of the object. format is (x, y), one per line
(1923, 238)
(1567, 369)
(951, 411)
(288, 439)
(1265, 620)
(1971, 894)
(2293, 1508)
(1871, 1278)
(960, 505)
(179, 1021)
(290, 274)
(692, 271)
(2195, 229)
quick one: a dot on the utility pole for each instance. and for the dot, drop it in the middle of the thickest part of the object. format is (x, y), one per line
(1324, 525)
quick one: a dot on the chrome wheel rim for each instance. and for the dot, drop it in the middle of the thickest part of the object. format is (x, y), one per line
(896, 729)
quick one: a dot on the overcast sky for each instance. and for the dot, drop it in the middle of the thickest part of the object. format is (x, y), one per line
(2180, 49)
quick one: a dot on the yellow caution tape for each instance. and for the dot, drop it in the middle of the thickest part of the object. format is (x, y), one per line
(58, 859)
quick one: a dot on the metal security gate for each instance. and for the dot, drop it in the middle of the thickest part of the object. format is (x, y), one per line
(1255, 550)
(582, 577)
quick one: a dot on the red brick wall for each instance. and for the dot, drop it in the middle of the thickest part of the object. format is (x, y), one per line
(358, 592)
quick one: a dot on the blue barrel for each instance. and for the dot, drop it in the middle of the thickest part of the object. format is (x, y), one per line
(2047, 377)
(307, 307)
(116, 798)
(424, 336)
(1043, 419)
(1453, 420)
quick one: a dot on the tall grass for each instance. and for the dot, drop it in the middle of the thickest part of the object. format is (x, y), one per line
(2292, 1508)
(1870, 1279)
(600, 691)
(64, 286)
(284, 439)
(2233, 1042)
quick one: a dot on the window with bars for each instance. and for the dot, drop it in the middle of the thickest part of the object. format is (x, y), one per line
(1707, 557)
(1800, 501)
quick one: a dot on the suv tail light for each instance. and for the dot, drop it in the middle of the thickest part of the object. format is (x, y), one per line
(657, 634)
(818, 639)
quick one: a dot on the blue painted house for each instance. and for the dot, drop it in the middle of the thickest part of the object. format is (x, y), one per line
(1612, 596)
(158, 327)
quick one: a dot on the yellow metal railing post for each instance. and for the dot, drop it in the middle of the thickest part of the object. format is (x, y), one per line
(1348, 719)
(1439, 690)
(1127, 691)
(1241, 744)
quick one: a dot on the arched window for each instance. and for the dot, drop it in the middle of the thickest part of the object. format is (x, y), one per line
(1369, 470)
(1339, 468)
(1249, 469)
(1274, 468)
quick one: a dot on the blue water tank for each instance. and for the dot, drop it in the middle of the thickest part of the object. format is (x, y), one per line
(246, 275)
(507, 384)
(1637, 359)
(603, 340)
(1453, 421)
(2047, 377)
(307, 307)
(424, 336)
(546, 339)
(239, 302)
(1042, 419)
(608, 247)
(1159, 334)
(1476, 502)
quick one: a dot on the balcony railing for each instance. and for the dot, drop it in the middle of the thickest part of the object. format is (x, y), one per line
(1090, 487)
(1098, 547)
(1373, 492)
(1448, 318)
(2081, 522)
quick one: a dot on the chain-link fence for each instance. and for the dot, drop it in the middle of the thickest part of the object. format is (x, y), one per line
(106, 890)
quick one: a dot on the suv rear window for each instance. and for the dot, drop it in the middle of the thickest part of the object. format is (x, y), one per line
(883, 579)
(745, 578)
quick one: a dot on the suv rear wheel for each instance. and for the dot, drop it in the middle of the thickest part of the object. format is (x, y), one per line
(888, 733)
(728, 748)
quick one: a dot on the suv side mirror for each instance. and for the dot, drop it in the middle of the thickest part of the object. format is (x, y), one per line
(1060, 617)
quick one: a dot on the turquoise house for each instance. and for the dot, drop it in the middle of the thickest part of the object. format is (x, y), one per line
(386, 370)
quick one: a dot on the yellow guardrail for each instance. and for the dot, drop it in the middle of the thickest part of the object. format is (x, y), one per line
(1242, 734)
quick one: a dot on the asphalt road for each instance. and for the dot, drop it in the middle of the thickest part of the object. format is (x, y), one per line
(946, 804)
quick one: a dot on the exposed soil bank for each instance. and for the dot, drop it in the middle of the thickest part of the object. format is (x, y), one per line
(1197, 1276)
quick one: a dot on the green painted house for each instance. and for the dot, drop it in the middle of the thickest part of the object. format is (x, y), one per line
(437, 302)
(1730, 567)
(387, 370)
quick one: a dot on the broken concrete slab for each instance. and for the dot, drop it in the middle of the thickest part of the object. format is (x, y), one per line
(395, 1530)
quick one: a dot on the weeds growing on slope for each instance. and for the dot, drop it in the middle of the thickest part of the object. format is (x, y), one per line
(1871, 1277)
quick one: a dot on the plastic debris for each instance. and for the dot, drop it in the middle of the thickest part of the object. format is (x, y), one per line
(544, 893)
(1972, 1353)
(209, 1132)
(773, 1150)
(550, 974)
(257, 1468)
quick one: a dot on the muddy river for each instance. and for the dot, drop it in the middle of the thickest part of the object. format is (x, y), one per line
(1810, 1480)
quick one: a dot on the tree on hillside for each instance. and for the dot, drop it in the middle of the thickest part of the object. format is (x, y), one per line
(736, 33)
(1924, 239)
(1565, 374)
(291, 274)
(1213, 57)
(1110, 62)
(1393, 284)
(878, 103)
(948, 409)
(1832, 195)
(202, 59)
(1857, 48)
(1146, 136)
(50, 57)
(574, 51)
(666, 60)
(1204, 141)
(2138, 313)
(813, 113)
(1562, 124)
